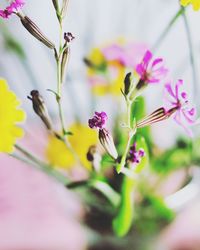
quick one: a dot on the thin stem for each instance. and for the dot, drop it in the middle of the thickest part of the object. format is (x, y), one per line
(192, 60)
(121, 165)
(101, 186)
(33, 160)
(167, 29)
(59, 80)
(131, 133)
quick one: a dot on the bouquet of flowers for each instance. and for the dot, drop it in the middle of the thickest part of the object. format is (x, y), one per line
(122, 167)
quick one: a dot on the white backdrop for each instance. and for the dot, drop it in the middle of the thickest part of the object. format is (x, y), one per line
(93, 22)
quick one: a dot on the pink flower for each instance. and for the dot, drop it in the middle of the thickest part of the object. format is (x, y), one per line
(14, 7)
(177, 99)
(127, 55)
(151, 72)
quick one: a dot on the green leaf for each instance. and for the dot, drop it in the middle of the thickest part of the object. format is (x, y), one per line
(14, 46)
(160, 208)
(123, 221)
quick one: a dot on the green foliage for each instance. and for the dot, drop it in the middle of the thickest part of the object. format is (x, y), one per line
(123, 220)
(172, 159)
(138, 111)
(14, 46)
(10, 43)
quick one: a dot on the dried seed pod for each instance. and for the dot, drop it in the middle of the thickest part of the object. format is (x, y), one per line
(64, 61)
(35, 31)
(40, 108)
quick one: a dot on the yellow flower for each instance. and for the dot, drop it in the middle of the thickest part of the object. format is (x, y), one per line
(10, 115)
(59, 155)
(113, 86)
(195, 3)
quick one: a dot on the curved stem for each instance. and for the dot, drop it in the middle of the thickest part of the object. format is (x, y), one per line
(101, 186)
(192, 60)
(40, 164)
(167, 29)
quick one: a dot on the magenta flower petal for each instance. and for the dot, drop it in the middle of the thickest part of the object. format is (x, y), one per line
(185, 114)
(151, 72)
(15, 6)
(177, 86)
(168, 87)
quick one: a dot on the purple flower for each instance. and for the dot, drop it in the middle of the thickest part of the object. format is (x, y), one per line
(98, 120)
(177, 99)
(135, 155)
(151, 71)
(15, 6)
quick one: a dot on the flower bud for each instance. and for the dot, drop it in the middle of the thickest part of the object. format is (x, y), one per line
(64, 8)
(55, 4)
(94, 157)
(34, 30)
(158, 115)
(107, 142)
(64, 61)
(127, 83)
(40, 108)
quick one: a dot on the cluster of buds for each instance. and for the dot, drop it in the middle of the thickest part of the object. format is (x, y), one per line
(98, 121)
(135, 156)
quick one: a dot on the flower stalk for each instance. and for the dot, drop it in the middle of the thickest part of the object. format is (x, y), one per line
(40, 164)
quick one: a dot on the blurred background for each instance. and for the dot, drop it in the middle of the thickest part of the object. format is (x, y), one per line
(94, 24)
(28, 64)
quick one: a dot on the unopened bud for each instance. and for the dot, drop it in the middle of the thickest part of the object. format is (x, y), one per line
(64, 8)
(34, 30)
(40, 108)
(158, 115)
(56, 5)
(127, 83)
(89, 63)
(94, 157)
(107, 142)
(64, 61)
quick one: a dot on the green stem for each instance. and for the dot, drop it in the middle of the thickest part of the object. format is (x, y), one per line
(33, 160)
(192, 60)
(131, 133)
(167, 29)
(101, 186)
(59, 81)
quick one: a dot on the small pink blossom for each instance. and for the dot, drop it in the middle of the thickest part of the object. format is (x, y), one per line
(151, 71)
(178, 99)
(15, 6)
